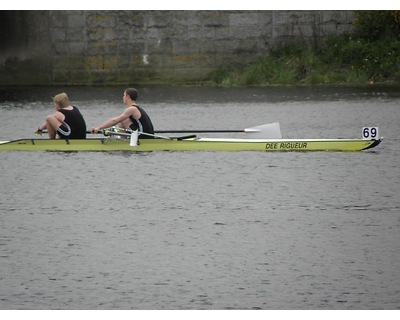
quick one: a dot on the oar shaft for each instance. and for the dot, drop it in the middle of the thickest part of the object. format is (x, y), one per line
(87, 131)
(198, 131)
(247, 130)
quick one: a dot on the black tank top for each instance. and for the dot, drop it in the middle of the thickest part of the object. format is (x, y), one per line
(75, 120)
(143, 124)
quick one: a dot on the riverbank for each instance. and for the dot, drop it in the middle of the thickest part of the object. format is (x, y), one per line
(366, 55)
(361, 65)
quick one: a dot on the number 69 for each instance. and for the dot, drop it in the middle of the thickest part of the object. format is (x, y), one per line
(370, 133)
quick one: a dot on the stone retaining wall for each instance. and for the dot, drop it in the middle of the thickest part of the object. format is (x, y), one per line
(142, 47)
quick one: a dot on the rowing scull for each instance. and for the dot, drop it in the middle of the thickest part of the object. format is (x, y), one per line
(191, 143)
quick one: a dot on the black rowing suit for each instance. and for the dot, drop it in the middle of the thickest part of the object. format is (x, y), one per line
(143, 124)
(74, 126)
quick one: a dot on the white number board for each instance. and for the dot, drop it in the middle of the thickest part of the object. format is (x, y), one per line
(369, 133)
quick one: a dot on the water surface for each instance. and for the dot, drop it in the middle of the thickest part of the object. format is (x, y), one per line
(204, 230)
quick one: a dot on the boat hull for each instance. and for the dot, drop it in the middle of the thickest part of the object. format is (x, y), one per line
(191, 144)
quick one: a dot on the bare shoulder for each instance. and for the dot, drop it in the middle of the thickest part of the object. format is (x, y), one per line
(132, 110)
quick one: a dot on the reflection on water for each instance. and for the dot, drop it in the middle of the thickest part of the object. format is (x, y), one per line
(203, 94)
(204, 230)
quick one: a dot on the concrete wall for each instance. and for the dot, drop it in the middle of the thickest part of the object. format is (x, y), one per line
(141, 47)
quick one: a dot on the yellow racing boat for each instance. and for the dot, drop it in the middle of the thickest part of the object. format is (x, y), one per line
(116, 139)
(189, 143)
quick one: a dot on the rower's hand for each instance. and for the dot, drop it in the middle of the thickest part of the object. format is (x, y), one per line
(94, 130)
(39, 131)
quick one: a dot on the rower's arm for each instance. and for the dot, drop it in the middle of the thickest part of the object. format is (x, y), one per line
(114, 121)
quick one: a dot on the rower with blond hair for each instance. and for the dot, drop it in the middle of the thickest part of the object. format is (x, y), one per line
(67, 122)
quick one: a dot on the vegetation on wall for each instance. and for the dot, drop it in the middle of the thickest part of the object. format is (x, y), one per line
(368, 54)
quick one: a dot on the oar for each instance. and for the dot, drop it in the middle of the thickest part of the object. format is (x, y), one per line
(265, 131)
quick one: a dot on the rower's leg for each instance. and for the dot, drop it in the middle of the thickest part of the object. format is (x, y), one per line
(52, 124)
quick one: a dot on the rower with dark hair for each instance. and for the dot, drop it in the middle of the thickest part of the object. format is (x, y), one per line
(134, 117)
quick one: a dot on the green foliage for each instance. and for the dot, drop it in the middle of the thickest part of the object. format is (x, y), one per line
(377, 25)
(220, 75)
(370, 52)
(379, 60)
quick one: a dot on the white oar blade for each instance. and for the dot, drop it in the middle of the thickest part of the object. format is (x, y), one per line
(265, 131)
